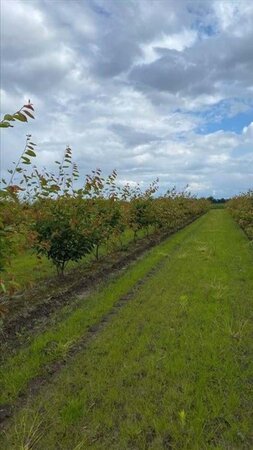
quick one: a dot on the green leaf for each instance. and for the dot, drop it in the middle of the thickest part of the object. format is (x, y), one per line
(54, 187)
(5, 125)
(8, 117)
(25, 159)
(43, 182)
(3, 287)
(30, 153)
(20, 116)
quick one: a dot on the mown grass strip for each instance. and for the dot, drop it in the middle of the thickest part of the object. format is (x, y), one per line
(172, 370)
(30, 362)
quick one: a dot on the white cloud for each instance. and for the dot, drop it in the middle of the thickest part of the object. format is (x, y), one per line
(175, 41)
(132, 85)
(24, 30)
(233, 16)
(227, 13)
(248, 131)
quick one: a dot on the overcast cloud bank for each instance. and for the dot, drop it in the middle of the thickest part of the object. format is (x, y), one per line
(151, 88)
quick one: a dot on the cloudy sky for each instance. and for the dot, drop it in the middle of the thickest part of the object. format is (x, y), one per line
(149, 87)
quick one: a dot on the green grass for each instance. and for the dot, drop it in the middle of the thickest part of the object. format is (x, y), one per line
(20, 368)
(173, 369)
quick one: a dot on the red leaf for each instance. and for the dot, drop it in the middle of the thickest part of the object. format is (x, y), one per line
(29, 106)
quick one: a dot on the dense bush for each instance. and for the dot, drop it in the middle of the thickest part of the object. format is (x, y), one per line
(62, 230)
(106, 219)
(141, 215)
(241, 208)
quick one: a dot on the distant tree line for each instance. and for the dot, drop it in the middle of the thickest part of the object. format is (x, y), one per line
(217, 200)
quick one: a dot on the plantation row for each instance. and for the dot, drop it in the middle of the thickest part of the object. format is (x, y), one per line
(241, 208)
(64, 218)
(56, 215)
(70, 224)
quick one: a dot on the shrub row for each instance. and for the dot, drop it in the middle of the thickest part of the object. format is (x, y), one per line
(67, 227)
(241, 208)
(60, 217)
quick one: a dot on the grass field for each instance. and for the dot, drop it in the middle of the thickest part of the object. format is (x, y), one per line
(171, 368)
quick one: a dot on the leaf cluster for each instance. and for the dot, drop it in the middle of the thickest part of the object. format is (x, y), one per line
(22, 115)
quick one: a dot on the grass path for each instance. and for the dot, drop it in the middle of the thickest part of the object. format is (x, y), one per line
(171, 370)
(74, 322)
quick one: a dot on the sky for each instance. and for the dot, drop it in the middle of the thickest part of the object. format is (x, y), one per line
(151, 88)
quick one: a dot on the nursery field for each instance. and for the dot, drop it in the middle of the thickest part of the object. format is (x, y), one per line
(157, 357)
(27, 269)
